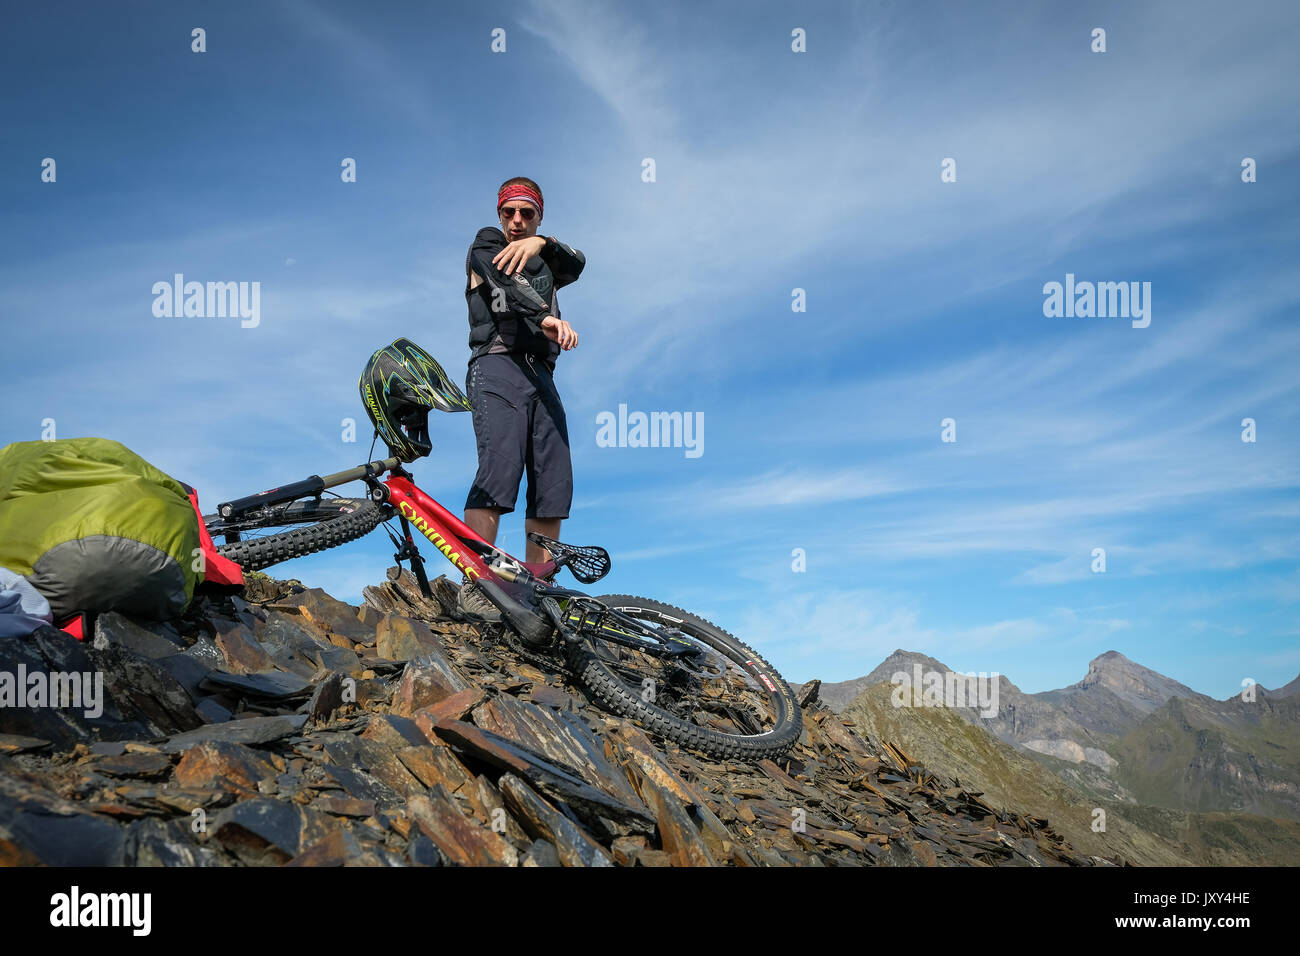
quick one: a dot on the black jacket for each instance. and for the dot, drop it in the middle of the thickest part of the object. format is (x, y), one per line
(524, 299)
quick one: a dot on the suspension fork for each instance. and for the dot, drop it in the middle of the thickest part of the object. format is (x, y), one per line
(406, 546)
(409, 550)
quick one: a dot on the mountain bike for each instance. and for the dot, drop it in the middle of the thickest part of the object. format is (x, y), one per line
(673, 672)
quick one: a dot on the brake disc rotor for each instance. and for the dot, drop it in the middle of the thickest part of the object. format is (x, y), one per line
(704, 664)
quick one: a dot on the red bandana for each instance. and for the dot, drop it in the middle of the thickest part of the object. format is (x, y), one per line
(519, 191)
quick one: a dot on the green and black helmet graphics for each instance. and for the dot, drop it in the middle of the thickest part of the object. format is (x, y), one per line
(399, 385)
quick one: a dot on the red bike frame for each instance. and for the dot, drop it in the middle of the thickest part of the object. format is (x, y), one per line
(474, 557)
(448, 533)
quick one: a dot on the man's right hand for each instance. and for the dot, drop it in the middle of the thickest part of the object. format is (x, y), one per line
(557, 330)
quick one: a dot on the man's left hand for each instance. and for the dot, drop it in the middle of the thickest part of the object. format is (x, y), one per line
(511, 259)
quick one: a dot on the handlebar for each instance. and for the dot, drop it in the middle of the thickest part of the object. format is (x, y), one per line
(308, 487)
(361, 471)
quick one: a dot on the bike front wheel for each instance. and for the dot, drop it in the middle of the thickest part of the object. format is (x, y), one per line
(726, 701)
(276, 533)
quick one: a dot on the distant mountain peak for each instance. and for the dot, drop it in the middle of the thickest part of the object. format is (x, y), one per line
(836, 695)
(901, 656)
(1115, 656)
(1139, 686)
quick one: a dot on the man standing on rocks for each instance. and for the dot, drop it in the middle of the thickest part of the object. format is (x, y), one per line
(516, 334)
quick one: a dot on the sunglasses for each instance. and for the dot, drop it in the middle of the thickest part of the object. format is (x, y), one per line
(528, 212)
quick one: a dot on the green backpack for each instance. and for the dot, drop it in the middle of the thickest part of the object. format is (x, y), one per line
(94, 527)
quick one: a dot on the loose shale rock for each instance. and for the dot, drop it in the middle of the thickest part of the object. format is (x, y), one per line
(285, 727)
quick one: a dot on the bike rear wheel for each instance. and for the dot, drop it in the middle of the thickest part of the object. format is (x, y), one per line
(740, 709)
(276, 533)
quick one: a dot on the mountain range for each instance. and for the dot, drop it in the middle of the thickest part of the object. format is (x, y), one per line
(1125, 736)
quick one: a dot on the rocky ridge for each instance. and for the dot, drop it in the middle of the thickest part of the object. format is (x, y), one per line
(279, 726)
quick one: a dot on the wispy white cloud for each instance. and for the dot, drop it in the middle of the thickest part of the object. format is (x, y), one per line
(790, 486)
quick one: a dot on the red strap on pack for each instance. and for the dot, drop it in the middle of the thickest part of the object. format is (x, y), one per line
(75, 626)
(216, 568)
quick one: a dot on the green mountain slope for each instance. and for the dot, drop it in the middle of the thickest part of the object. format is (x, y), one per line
(1153, 836)
(1201, 754)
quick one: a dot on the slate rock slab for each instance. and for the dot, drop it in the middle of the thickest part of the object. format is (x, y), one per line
(219, 763)
(573, 845)
(250, 730)
(332, 617)
(460, 839)
(155, 842)
(157, 641)
(267, 685)
(263, 831)
(113, 699)
(240, 649)
(16, 744)
(37, 826)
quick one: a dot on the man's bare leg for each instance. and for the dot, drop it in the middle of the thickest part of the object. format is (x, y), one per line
(484, 521)
(547, 526)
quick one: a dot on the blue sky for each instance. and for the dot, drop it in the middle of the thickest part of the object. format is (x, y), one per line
(775, 171)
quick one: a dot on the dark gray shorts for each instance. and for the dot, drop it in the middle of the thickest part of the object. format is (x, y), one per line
(519, 424)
